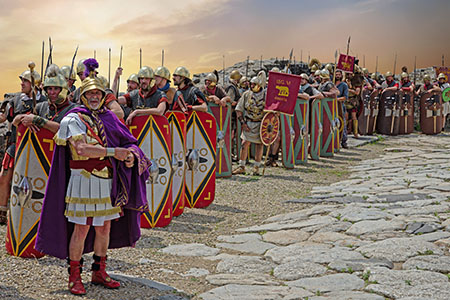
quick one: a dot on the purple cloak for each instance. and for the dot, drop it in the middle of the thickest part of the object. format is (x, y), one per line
(128, 191)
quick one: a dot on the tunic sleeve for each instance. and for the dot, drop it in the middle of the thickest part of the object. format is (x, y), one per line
(71, 127)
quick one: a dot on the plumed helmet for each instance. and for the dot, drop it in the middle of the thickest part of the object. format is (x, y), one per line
(80, 66)
(373, 76)
(442, 76)
(55, 77)
(92, 82)
(133, 77)
(357, 69)
(427, 77)
(404, 75)
(388, 74)
(66, 70)
(163, 72)
(304, 76)
(324, 74)
(211, 77)
(183, 72)
(235, 75)
(146, 72)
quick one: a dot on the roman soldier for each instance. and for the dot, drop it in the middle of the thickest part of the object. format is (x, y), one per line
(342, 98)
(98, 175)
(234, 93)
(250, 112)
(214, 92)
(405, 83)
(443, 84)
(389, 83)
(427, 85)
(326, 86)
(148, 100)
(16, 109)
(70, 78)
(355, 82)
(244, 85)
(188, 97)
(162, 81)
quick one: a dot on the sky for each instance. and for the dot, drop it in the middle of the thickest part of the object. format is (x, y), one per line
(199, 33)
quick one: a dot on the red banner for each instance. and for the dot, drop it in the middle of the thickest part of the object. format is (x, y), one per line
(445, 70)
(346, 63)
(282, 92)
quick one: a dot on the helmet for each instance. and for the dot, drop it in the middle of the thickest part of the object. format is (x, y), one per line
(365, 71)
(404, 75)
(329, 67)
(427, 77)
(257, 83)
(357, 69)
(66, 70)
(183, 72)
(388, 74)
(211, 77)
(81, 67)
(146, 72)
(373, 76)
(54, 77)
(163, 72)
(235, 75)
(314, 68)
(324, 74)
(317, 73)
(133, 77)
(92, 83)
(104, 81)
(275, 69)
(304, 76)
(442, 76)
(27, 76)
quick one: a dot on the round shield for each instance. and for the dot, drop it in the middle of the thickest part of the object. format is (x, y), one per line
(446, 94)
(270, 127)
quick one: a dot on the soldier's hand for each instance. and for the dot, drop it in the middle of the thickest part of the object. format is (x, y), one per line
(129, 161)
(17, 120)
(121, 153)
(27, 120)
(130, 118)
(223, 102)
(119, 72)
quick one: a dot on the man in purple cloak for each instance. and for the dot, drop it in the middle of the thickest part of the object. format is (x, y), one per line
(96, 188)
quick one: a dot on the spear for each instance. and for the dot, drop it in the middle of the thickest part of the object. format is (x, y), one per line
(415, 61)
(335, 65)
(95, 54)
(109, 68)
(162, 58)
(301, 55)
(73, 61)
(246, 69)
(376, 66)
(120, 66)
(260, 63)
(364, 61)
(31, 65)
(395, 64)
(443, 62)
(49, 59)
(51, 48)
(140, 58)
(42, 60)
(348, 45)
(223, 75)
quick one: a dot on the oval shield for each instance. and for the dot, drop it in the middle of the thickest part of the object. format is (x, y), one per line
(270, 127)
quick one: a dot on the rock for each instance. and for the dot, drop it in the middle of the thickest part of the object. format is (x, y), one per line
(146, 282)
(321, 221)
(256, 247)
(443, 243)
(347, 295)
(359, 264)
(244, 265)
(328, 237)
(356, 214)
(145, 261)
(432, 237)
(398, 249)
(329, 283)
(285, 237)
(190, 250)
(254, 292)
(195, 272)
(434, 263)
(305, 249)
(367, 227)
(408, 283)
(302, 214)
(239, 238)
(420, 228)
(245, 279)
(298, 269)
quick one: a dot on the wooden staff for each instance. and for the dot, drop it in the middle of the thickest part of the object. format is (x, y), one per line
(95, 54)
(32, 65)
(109, 67)
(120, 66)
(42, 60)
(162, 58)
(223, 75)
(73, 61)
(140, 58)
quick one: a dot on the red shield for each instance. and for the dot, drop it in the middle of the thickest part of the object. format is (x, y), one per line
(282, 92)
(33, 158)
(327, 137)
(315, 129)
(222, 114)
(201, 159)
(153, 135)
(177, 122)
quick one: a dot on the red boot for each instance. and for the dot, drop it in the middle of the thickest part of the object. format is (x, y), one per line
(99, 275)
(75, 285)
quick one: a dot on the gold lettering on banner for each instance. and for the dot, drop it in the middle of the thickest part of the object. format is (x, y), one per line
(168, 215)
(50, 142)
(208, 197)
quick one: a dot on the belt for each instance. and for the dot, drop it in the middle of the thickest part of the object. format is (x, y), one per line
(90, 164)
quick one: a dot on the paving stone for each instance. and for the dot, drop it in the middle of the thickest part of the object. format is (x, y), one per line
(432, 237)
(356, 214)
(398, 249)
(443, 243)
(367, 227)
(409, 283)
(196, 272)
(328, 237)
(434, 263)
(420, 227)
(239, 238)
(323, 256)
(321, 221)
(255, 292)
(144, 281)
(297, 269)
(430, 209)
(244, 265)
(256, 247)
(347, 295)
(245, 279)
(278, 254)
(359, 264)
(285, 237)
(302, 214)
(329, 283)
(190, 250)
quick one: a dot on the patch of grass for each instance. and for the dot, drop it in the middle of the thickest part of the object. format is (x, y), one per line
(427, 252)
(408, 282)
(262, 232)
(365, 197)
(271, 272)
(429, 197)
(349, 246)
(448, 275)
(346, 220)
(194, 279)
(435, 203)
(338, 217)
(318, 293)
(350, 270)
(366, 276)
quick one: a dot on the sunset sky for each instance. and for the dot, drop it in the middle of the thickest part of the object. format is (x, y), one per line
(197, 33)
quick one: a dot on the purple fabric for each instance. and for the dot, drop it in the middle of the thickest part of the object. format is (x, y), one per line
(128, 190)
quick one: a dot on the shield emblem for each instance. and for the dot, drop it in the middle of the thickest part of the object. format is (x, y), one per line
(315, 129)
(201, 159)
(270, 127)
(373, 114)
(406, 117)
(446, 95)
(222, 114)
(177, 123)
(153, 135)
(327, 137)
(296, 143)
(387, 122)
(363, 119)
(431, 113)
(33, 159)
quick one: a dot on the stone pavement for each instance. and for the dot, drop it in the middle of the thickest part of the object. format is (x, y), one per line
(384, 233)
